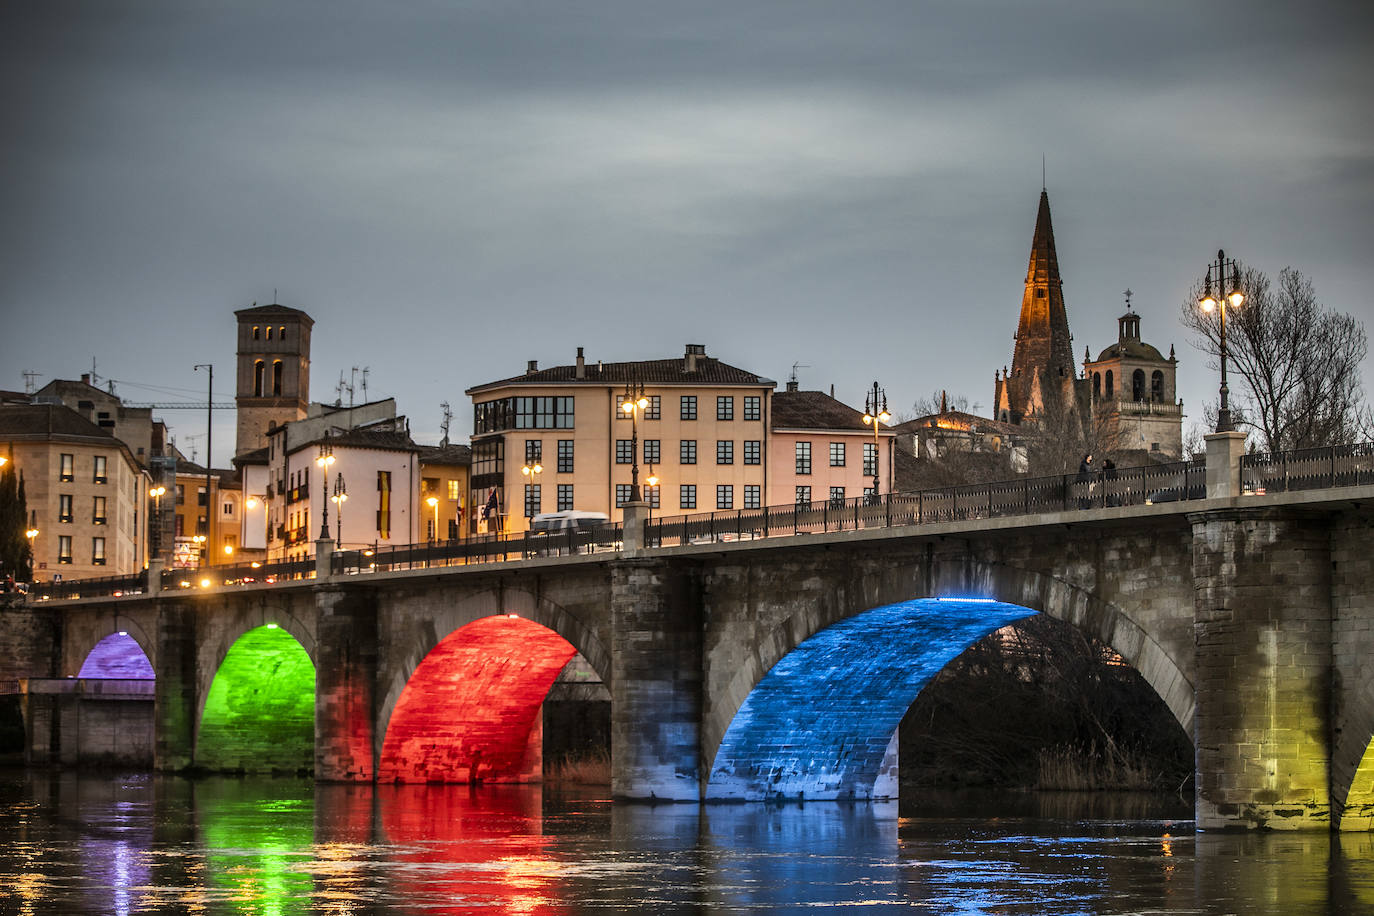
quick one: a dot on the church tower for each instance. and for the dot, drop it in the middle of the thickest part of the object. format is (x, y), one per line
(273, 382)
(1134, 394)
(1042, 369)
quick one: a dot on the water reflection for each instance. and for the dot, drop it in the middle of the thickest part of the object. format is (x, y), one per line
(155, 845)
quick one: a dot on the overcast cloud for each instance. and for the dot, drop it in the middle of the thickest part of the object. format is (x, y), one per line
(451, 189)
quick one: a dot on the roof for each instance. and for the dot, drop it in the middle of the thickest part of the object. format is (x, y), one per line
(42, 421)
(256, 456)
(226, 476)
(814, 410)
(379, 439)
(275, 310)
(446, 454)
(709, 371)
(1131, 349)
(959, 420)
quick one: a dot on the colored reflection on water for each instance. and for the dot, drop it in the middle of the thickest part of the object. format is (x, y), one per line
(141, 844)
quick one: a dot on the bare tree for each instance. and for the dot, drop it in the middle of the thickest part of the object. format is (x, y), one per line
(1297, 361)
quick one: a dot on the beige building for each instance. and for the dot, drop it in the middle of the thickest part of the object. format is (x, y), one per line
(822, 451)
(703, 431)
(445, 478)
(1134, 396)
(86, 494)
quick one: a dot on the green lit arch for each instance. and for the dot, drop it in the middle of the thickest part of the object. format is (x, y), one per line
(259, 712)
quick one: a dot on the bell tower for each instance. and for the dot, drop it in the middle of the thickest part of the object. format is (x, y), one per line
(273, 380)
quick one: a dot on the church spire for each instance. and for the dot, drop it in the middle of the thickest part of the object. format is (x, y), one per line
(1043, 344)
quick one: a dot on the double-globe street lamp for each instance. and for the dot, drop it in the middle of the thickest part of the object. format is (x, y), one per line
(875, 412)
(533, 498)
(1228, 288)
(632, 403)
(338, 499)
(325, 459)
(433, 503)
(156, 494)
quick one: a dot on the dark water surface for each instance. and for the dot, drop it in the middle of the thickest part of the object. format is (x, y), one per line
(141, 844)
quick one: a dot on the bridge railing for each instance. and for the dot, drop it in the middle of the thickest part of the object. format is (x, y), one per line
(99, 587)
(1025, 496)
(1309, 468)
(240, 574)
(488, 549)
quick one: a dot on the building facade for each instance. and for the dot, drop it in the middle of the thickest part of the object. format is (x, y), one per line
(703, 431)
(821, 450)
(272, 381)
(1134, 396)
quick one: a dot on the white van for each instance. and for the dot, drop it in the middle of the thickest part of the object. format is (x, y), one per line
(569, 520)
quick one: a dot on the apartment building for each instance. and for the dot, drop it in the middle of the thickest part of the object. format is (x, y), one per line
(823, 451)
(703, 432)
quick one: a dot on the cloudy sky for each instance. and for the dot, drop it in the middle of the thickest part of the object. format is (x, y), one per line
(452, 188)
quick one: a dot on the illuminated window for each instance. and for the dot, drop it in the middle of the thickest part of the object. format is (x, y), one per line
(68, 468)
(98, 511)
(277, 370)
(64, 548)
(98, 551)
(384, 504)
(455, 490)
(99, 471)
(259, 369)
(64, 507)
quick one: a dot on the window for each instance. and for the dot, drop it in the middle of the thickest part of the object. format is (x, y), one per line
(837, 496)
(655, 409)
(98, 511)
(534, 451)
(181, 494)
(276, 377)
(489, 458)
(689, 407)
(753, 407)
(258, 372)
(687, 451)
(725, 451)
(281, 333)
(384, 504)
(565, 456)
(870, 496)
(870, 459)
(1097, 385)
(753, 451)
(228, 510)
(622, 494)
(1157, 386)
(725, 496)
(1138, 385)
(803, 496)
(98, 551)
(753, 496)
(565, 497)
(803, 450)
(651, 495)
(99, 475)
(1109, 383)
(523, 413)
(455, 490)
(837, 454)
(652, 451)
(533, 500)
(624, 451)
(68, 470)
(257, 333)
(64, 507)
(725, 407)
(200, 496)
(269, 332)
(64, 548)
(687, 496)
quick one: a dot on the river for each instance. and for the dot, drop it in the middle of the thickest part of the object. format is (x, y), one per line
(143, 844)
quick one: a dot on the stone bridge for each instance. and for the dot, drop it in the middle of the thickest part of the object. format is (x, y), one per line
(757, 669)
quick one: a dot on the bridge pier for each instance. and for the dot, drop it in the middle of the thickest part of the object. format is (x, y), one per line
(174, 696)
(1262, 629)
(345, 671)
(656, 664)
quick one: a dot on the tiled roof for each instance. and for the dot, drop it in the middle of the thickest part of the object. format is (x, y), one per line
(256, 456)
(274, 310)
(814, 410)
(960, 420)
(709, 371)
(448, 454)
(40, 421)
(386, 440)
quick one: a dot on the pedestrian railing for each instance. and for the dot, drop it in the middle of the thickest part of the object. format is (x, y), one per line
(1308, 469)
(1338, 466)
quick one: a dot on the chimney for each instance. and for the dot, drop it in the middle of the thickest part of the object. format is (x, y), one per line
(695, 352)
(532, 367)
(792, 383)
(85, 378)
(581, 365)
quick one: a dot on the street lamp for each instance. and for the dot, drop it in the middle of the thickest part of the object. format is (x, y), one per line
(532, 470)
(433, 503)
(875, 412)
(156, 494)
(199, 540)
(650, 481)
(1231, 294)
(32, 533)
(339, 498)
(324, 461)
(632, 403)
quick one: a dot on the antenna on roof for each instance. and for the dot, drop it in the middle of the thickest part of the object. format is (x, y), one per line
(365, 371)
(448, 416)
(792, 380)
(30, 381)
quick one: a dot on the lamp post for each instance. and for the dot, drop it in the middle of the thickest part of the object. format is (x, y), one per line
(1231, 294)
(875, 412)
(199, 541)
(31, 534)
(156, 494)
(532, 470)
(632, 403)
(325, 459)
(209, 441)
(339, 498)
(650, 481)
(433, 503)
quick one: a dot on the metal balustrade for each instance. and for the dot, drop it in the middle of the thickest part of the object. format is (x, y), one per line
(1338, 466)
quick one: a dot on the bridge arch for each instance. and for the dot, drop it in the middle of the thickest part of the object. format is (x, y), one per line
(96, 643)
(258, 715)
(467, 697)
(1001, 584)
